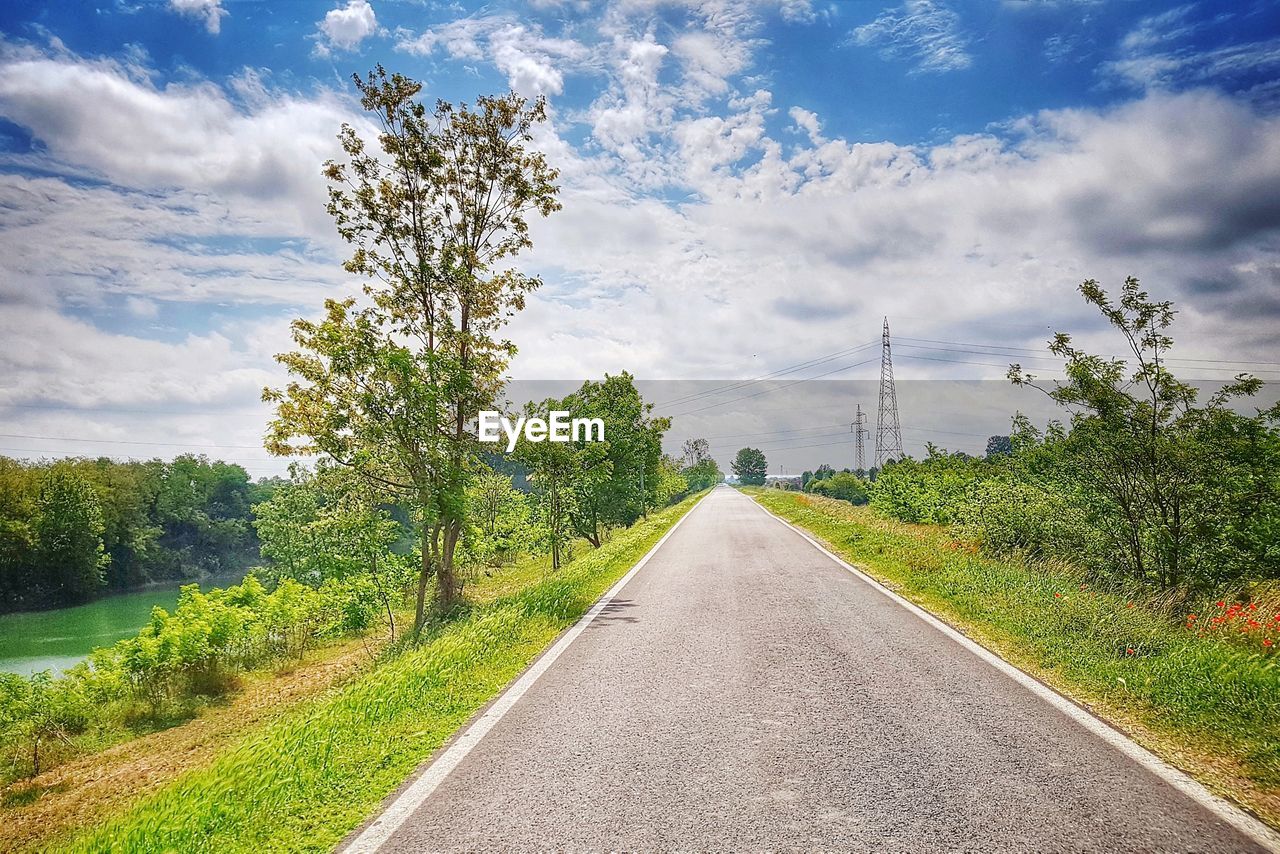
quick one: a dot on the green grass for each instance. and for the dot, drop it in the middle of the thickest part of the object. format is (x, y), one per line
(306, 780)
(1209, 704)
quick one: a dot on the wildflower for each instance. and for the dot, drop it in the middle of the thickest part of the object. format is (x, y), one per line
(1191, 618)
(1267, 642)
(1220, 604)
(1129, 651)
(1057, 596)
(1130, 605)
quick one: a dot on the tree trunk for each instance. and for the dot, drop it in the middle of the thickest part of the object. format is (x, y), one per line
(447, 586)
(424, 576)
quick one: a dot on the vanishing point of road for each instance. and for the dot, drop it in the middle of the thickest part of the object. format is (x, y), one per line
(743, 691)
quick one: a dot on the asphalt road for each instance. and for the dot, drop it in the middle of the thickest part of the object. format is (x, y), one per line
(744, 692)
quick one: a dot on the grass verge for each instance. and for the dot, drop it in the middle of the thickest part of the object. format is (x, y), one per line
(1204, 704)
(303, 781)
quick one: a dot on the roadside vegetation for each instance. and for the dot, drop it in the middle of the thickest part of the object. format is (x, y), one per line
(1129, 556)
(1207, 701)
(307, 779)
(450, 563)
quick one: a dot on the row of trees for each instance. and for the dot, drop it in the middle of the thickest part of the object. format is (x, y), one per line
(72, 529)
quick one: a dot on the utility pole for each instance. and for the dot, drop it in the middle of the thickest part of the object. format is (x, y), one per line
(888, 431)
(858, 432)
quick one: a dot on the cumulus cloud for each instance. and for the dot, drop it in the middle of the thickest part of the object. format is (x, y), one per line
(923, 31)
(208, 11)
(533, 62)
(345, 27)
(710, 228)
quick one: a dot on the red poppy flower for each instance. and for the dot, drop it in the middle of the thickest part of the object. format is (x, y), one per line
(1129, 651)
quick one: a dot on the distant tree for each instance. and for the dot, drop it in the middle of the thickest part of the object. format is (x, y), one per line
(554, 468)
(672, 484)
(750, 466)
(703, 475)
(620, 474)
(823, 472)
(499, 516)
(695, 451)
(68, 531)
(999, 446)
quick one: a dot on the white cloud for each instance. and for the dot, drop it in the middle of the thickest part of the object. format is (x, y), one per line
(533, 62)
(1159, 53)
(209, 11)
(807, 121)
(924, 31)
(347, 26)
(699, 226)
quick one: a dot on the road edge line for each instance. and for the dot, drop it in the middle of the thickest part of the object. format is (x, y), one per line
(1233, 815)
(394, 814)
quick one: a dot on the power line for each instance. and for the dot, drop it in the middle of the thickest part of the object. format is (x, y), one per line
(771, 375)
(1229, 362)
(772, 390)
(72, 408)
(125, 441)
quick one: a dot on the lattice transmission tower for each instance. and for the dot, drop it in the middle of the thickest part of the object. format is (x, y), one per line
(888, 431)
(859, 430)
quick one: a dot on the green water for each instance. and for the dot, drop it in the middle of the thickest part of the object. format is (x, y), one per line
(56, 640)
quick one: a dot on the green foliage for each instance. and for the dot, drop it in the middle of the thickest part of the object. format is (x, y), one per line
(433, 218)
(38, 715)
(617, 487)
(844, 485)
(750, 466)
(1180, 493)
(320, 771)
(499, 521)
(672, 484)
(703, 474)
(68, 535)
(144, 521)
(1145, 484)
(1121, 649)
(928, 491)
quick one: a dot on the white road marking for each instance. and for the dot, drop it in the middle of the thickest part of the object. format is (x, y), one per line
(1223, 809)
(373, 837)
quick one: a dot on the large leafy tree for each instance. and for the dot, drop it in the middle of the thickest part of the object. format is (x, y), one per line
(750, 466)
(391, 387)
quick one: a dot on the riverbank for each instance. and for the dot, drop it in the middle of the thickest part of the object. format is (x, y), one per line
(314, 765)
(58, 638)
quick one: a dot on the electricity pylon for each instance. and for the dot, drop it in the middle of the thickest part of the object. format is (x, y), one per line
(888, 431)
(858, 432)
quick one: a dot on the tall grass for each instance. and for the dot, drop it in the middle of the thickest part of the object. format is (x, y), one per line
(306, 780)
(1211, 700)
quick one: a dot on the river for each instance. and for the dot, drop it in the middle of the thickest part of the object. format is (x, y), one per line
(57, 639)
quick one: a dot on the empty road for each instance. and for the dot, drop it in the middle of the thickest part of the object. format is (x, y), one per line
(745, 692)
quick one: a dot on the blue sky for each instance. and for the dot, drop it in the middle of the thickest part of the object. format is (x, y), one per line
(747, 184)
